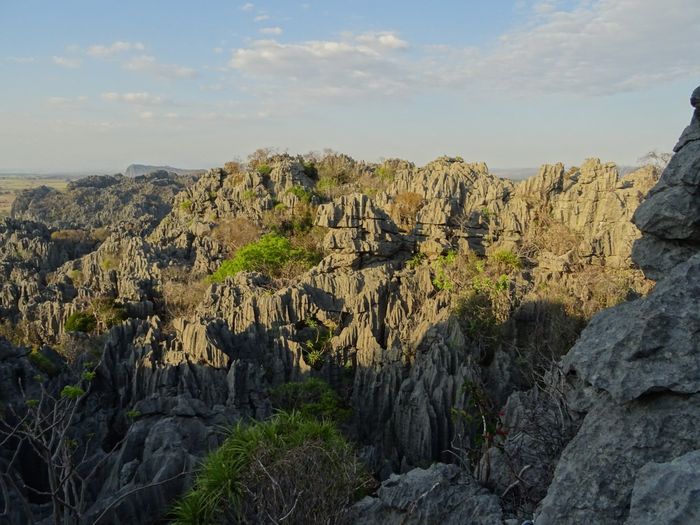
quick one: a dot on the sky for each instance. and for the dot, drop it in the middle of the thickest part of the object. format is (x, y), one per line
(93, 86)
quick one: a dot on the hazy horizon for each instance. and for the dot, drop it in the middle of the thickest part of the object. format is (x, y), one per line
(515, 84)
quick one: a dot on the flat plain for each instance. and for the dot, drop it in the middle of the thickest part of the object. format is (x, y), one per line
(12, 184)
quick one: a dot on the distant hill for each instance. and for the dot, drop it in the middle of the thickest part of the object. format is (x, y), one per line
(134, 170)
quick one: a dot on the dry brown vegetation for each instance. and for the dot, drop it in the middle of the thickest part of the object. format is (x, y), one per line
(405, 208)
(234, 233)
(181, 292)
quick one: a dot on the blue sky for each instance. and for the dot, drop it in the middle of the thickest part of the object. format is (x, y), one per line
(96, 85)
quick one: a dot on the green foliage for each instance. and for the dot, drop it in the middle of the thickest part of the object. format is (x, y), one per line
(506, 258)
(442, 281)
(312, 398)
(109, 261)
(267, 255)
(260, 468)
(248, 195)
(310, 170)
(88, 375)
(316, 348)
(326, 184)
(43, 363)
(264, 170)
(108, 312)
(386, 173)
(76, 276)
(81, 322)
(72, 392)
(415, 261)
(186, 206)
(133, 414)
(301, 193)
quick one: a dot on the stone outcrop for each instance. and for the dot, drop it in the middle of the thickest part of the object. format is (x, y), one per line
(640, 358)
(414, 375)
(102, 201)
(440, 494)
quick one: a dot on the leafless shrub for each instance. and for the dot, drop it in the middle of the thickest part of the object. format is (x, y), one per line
(405, 208)
(234, 233)
(181, 292)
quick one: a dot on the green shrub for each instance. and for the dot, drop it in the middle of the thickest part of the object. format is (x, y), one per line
(268, 255)
(81, 322)
(248, 195)
(416, 260)
(264, 170)
(43, 363)
(506, 258)
(386, 173)
(72, 392)
(310, 170)
(291, 466)
(311, 397)
(186, 205)
(301, 193)
(442, 280)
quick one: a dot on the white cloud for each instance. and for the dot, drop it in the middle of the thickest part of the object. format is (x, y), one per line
(261, 18)
(596, 47)
(248, 7)
(146, 115)
(70, 63)
(103, 51)
(385, 39)
(141, 98)
(218, 50)
(271, 30)
(149, 64)
(353, 66)
(588, 48)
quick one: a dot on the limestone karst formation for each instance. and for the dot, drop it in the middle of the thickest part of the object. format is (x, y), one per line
(449, 299)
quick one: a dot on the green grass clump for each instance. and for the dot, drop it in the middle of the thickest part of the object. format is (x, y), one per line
(260, 469)
(312, 398)
(264, 170)
(186, 205)
(506, 258)
(268, 255)
(81, 322)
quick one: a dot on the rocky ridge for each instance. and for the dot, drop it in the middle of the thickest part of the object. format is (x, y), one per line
(409, 365)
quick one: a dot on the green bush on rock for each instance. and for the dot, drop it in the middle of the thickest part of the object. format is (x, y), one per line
(269, 255)
(291, 466)
(81, 322)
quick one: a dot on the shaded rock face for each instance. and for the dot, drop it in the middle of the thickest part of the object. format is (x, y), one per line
(102, 201)
(630, 460)
(439, 494)
(667, 492)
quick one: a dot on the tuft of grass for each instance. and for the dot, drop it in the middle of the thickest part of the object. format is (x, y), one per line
(260, 469)
(506, 258)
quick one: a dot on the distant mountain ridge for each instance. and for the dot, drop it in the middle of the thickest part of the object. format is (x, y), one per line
(134, 170)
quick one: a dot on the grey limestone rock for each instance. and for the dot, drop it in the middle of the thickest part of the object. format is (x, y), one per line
(667, 492)
(441, 494)
(647, 345)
